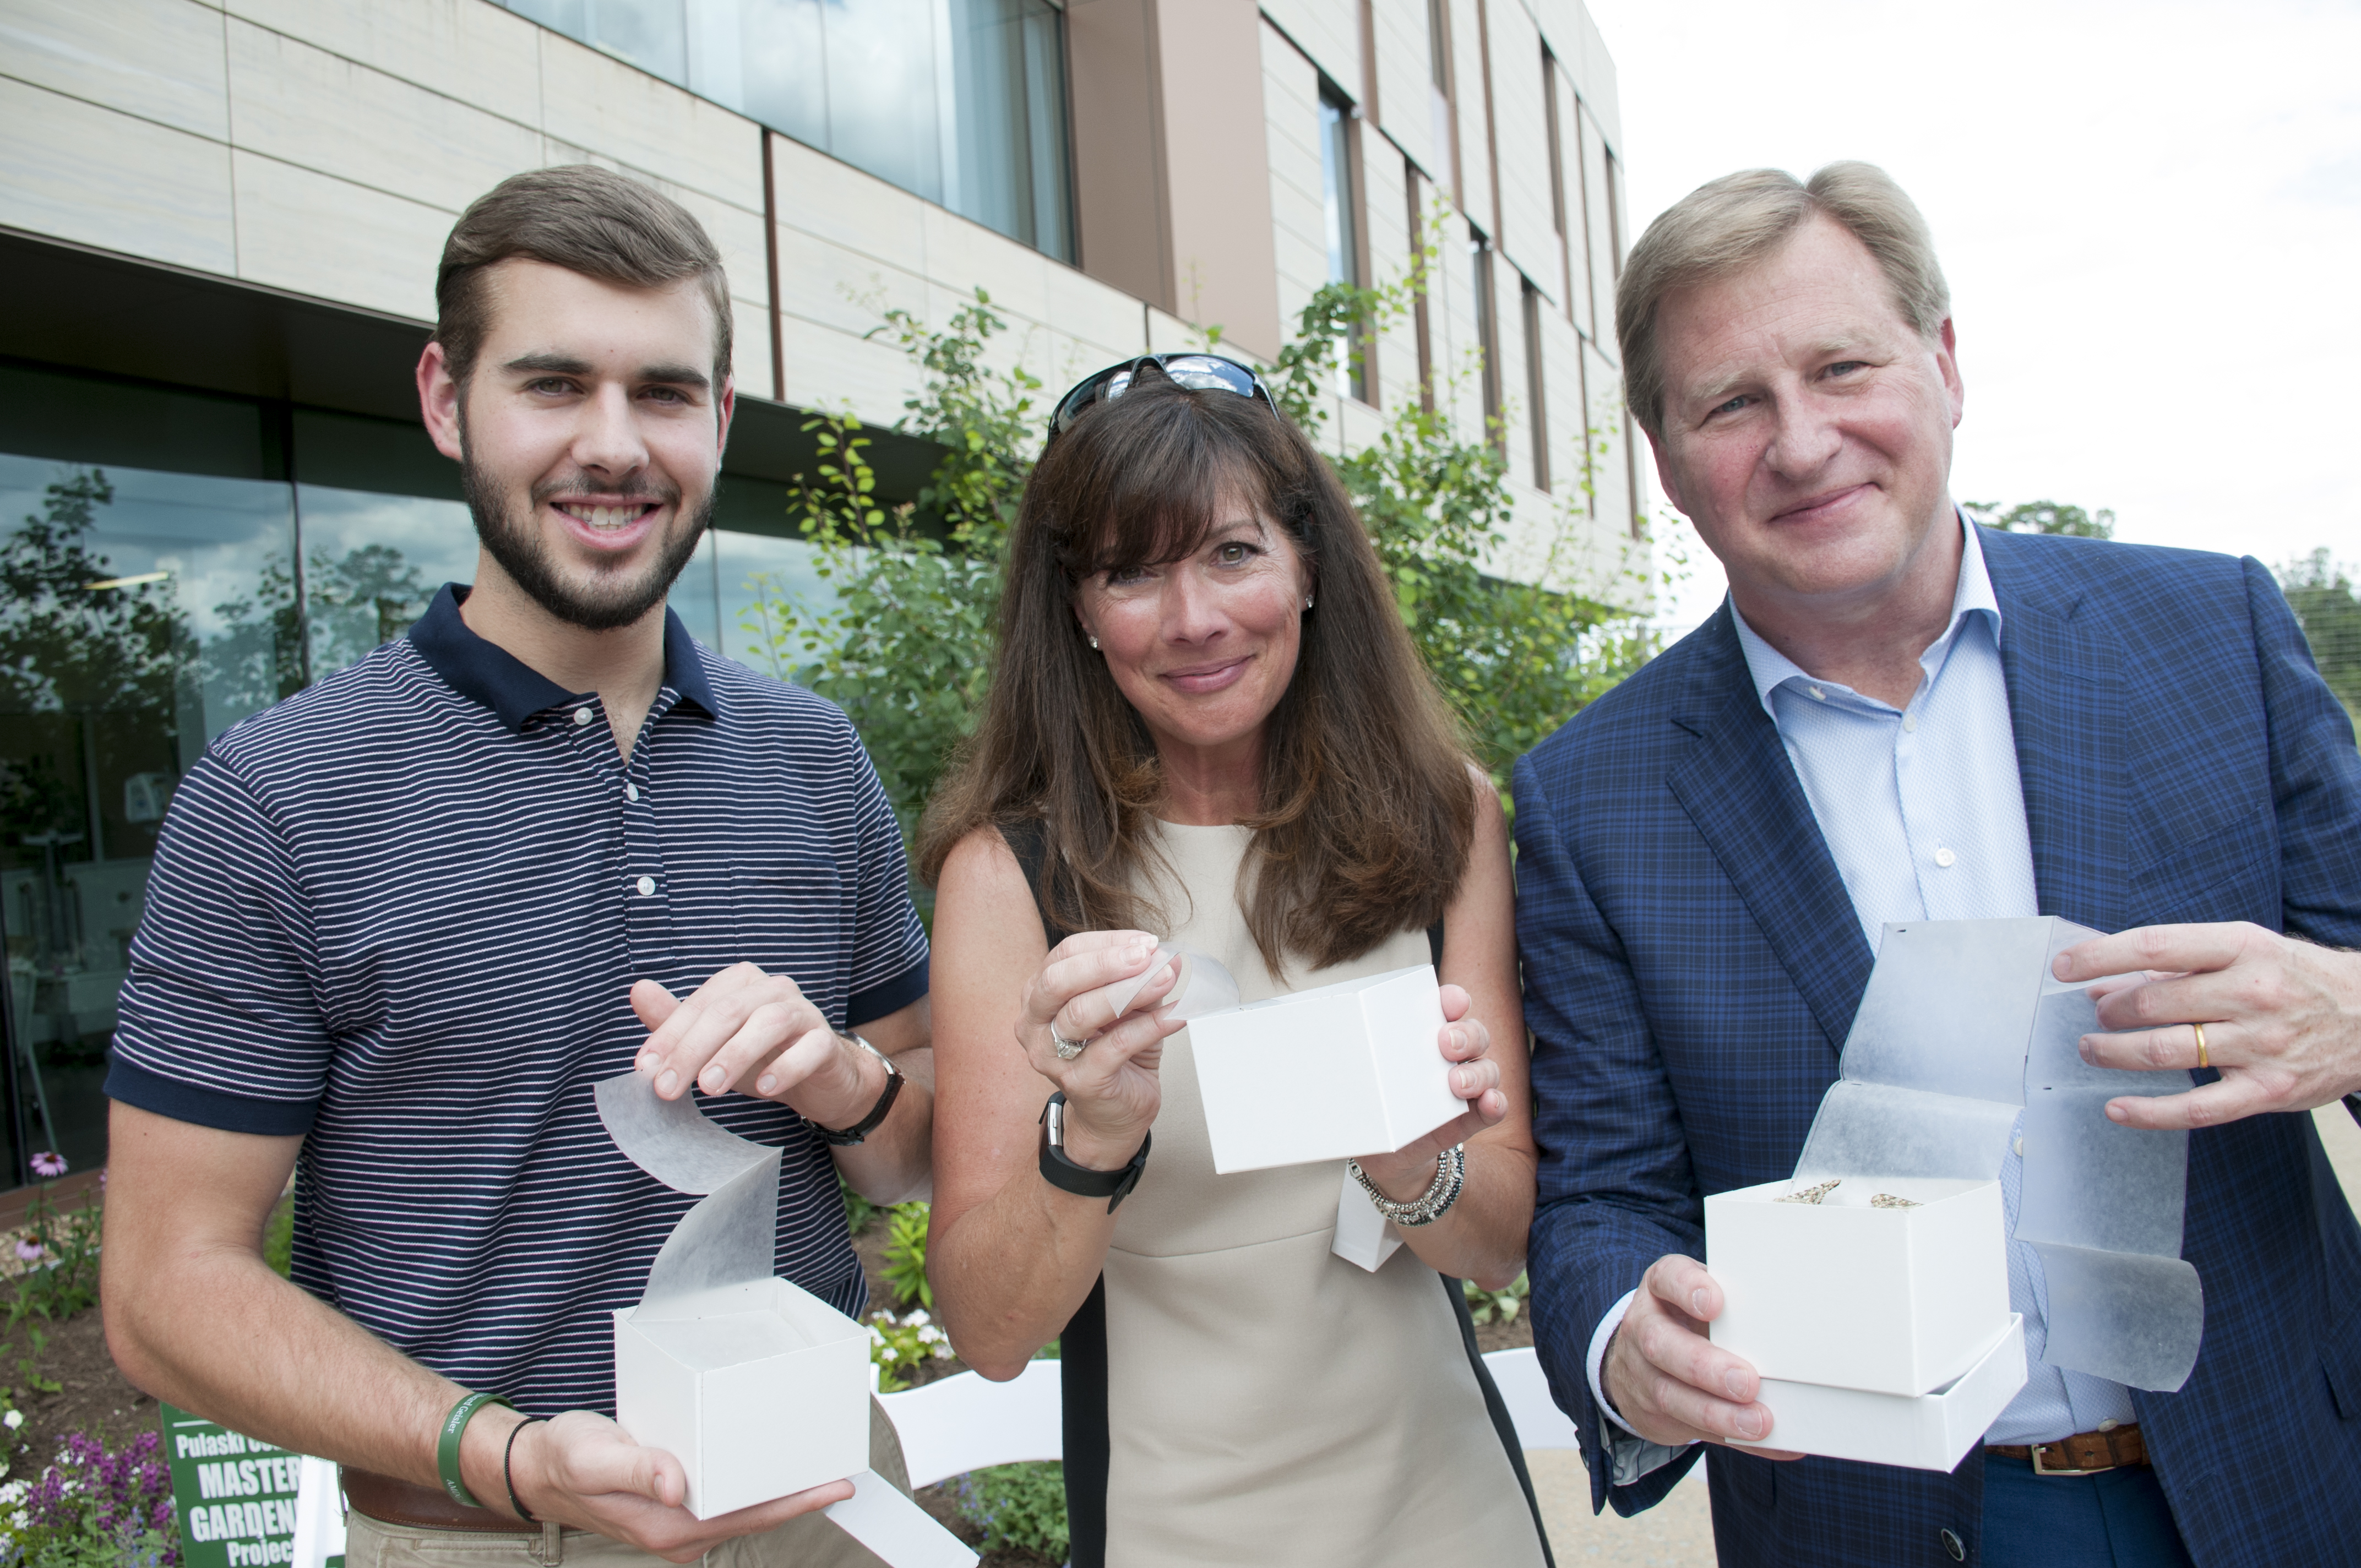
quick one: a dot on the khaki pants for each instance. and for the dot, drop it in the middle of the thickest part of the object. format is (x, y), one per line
(808, 1541)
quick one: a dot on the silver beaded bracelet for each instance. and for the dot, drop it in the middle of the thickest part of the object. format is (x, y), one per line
(1450, 1175)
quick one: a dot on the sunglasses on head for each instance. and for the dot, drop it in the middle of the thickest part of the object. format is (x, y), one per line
(1196, 372)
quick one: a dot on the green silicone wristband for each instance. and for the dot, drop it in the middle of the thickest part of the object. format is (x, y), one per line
(446, 1447)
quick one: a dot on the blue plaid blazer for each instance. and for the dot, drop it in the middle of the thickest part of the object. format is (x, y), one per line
(1692, 963)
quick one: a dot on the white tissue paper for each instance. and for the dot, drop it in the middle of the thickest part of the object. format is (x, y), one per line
(759, 1388)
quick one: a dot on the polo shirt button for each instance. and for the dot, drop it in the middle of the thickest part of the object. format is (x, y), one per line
(581, 717)
(647, 885)
(630, 791)
(1955, 1546)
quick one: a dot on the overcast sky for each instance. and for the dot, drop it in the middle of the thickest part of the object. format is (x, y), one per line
(2149, 214)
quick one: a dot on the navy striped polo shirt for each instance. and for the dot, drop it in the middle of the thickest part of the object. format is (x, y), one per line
(401, 914)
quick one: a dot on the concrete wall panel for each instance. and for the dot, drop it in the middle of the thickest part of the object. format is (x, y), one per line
(479, 53)
(1329, 34)
(592, 101)
(303, 105)
(157, 60)
(1209, 55)
(1406, 85)
(1297, 216)
(1527, 231)
(87, 174)
(329, 238)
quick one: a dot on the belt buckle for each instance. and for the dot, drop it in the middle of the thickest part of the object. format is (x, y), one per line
(2035, 1449)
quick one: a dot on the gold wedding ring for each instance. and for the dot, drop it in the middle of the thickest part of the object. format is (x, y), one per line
(2203, 1060)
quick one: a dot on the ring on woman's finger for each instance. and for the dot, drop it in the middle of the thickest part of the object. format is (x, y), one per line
(1067, 1050)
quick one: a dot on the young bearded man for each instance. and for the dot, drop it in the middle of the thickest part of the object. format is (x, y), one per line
(400, 924)
(1899, 716)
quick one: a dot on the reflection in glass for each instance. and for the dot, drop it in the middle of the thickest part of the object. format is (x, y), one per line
(762, 576)
(372, 564)
(1010, 136)
(144, 614)
(961, 102)
(650, 34)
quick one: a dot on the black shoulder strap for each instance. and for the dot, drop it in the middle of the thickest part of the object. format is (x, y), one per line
(1030, 843)
(1434, 944)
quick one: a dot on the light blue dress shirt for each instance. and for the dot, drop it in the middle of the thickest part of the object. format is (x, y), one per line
(1923, 810)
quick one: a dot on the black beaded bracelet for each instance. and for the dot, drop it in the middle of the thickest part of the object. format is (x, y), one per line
(508, 1470)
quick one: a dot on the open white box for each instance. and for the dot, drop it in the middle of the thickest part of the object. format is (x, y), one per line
(1343, 1069)
(759, 1389)
(1895, 1302)
(1932, 1431)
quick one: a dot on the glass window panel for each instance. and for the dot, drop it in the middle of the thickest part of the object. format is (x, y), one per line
(1008, 95)
(372, 564)
(884, 101)
(148, 612)
(762, 576)
(693, 597)
(782, 63)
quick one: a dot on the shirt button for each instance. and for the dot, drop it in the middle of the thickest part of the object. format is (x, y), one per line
(1954, 1547)
(1945, 859)
(630, 791)
(1817, 694)
(647, 885)
(1910, 722)
(581, 717)
(2019, 1147)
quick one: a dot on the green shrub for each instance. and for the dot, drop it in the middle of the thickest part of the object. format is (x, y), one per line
(1019, 1505)
(1486, 1305)
(906, 1255)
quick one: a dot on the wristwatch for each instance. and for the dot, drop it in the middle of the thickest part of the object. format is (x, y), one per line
(1062, 1173)
(845, 1137)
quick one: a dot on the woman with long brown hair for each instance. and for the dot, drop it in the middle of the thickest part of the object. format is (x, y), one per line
(1207, 722)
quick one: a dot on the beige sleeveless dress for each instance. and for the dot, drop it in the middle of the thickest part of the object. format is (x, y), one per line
(1266, 1401)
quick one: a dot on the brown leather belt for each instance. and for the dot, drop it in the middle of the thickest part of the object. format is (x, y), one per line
(391, 1501)
(2084, 1453)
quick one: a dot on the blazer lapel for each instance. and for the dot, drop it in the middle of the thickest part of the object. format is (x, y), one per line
(2066, 701)
(1741, 792)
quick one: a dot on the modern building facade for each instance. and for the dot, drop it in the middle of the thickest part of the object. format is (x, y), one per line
(219, 220)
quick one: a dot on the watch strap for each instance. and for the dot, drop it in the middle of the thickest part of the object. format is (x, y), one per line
(1062, 1173)
(845, 1137)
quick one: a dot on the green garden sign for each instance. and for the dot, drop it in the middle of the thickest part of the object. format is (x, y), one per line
(235, 1497)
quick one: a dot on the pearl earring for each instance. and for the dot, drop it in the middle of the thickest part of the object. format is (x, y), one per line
(1094, 643)
(1307, 601)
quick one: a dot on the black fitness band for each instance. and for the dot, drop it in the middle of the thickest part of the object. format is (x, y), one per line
(1061, 1172)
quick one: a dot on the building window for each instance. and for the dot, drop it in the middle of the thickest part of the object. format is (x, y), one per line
(1557, 180)
(169, 574)
(1615, 214)
(1535, 385)
(961, 102)
(1487, 337)
(1442, 119)
(1422, 318)
(1340, 208)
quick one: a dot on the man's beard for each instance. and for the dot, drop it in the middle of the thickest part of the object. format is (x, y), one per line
(617, 599)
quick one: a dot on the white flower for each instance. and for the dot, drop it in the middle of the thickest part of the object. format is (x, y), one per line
(917, 1318)
(13, 1419)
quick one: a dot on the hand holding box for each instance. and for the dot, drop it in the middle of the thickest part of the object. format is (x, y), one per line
(1344, 1070)
(757, 1387)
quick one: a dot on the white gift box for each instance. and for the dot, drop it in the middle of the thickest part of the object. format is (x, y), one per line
(759, 1389)
(1842, 1294)
(1932, 1431)
(1344, 1070)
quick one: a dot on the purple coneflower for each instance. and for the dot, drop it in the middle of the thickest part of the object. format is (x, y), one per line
(48, 1164)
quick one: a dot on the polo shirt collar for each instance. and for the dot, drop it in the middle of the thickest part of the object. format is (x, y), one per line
(488, 673)
(1771, 669)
